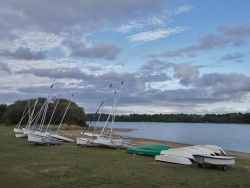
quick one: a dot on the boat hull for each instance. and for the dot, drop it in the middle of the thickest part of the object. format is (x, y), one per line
(178, 152)
(19, 135)
(216, 149)
(215, 160)
(66, 139)
(18, 131)
(86, 141)
(113, 143)
(173, 159)
(41, 138)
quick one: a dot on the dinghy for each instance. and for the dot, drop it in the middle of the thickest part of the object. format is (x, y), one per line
(216, 149)
(173, 159)
(222, 161)
(178, 152)
(150, 150)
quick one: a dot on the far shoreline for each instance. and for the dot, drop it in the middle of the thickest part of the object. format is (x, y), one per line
(145, 141)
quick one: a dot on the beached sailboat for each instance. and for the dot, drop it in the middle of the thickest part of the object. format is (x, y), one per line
(59, 134)
(88, 138)
(17, 130)
(37, 135)
(112, 140)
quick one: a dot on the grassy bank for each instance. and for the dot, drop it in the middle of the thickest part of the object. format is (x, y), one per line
(23, 164)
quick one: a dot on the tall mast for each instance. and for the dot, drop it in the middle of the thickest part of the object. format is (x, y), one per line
(53, 113)
(65, 113)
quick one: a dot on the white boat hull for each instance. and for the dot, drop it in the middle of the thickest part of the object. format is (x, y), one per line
(215, 160)
(26, 131)
(113, 143)
(173, 159)
(19, 135)
(216, 149)
(178, 152)
(66, 139)
(222, 161)
(18, 131)
(86, 141)
(198, 150)
(41, 138)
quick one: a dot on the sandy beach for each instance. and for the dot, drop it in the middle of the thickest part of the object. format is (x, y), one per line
(140, 141)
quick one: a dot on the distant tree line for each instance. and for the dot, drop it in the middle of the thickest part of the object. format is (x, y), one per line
(12, 114)
(238, 118)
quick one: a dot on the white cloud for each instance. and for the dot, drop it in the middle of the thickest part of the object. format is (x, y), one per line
(156, 21)
(39, 40)
(182, 9)
(154, 35)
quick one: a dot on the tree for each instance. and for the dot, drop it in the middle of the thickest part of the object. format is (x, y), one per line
(75, 114)
(3, 108)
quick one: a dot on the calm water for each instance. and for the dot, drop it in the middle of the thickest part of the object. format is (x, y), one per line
(234, 137)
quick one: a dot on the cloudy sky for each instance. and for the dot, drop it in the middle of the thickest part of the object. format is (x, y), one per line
(183, 56)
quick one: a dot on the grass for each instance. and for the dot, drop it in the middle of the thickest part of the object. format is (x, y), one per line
(23, 164)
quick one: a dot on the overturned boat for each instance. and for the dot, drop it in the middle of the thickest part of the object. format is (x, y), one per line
(186, 155)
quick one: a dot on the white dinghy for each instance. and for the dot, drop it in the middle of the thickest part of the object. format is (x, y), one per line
(185, 155)
(222, 161)
(178, 152)
(216, 149)
(198, 150)
(173, 159)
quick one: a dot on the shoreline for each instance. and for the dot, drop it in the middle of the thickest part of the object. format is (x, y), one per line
(145, 141)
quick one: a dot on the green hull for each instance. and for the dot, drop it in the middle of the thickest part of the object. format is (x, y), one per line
(151, 150)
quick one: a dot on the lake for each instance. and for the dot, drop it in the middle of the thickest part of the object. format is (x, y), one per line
(233, 137)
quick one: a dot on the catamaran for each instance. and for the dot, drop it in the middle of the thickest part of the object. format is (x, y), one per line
(20, 133)
(112, 140)
(37, 135)
(59, 134)
(104, 139)
(88, 138)
(17, 130)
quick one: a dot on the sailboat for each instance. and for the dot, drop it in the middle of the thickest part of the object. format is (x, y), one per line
(17, 130)
(111, 140)
(88, 138)
(19, 133)
(59, 134)
(37, 135)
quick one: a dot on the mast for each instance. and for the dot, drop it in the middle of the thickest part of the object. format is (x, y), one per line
(112, 111)
(46, 107)
(23, 115)
(100, 107)
(115, 109)
(31, 115)
(53, 113)
(65, 113)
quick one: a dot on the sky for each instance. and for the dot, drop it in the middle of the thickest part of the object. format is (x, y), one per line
(173, 56)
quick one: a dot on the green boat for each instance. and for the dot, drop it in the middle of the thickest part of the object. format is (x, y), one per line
(151, 150)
